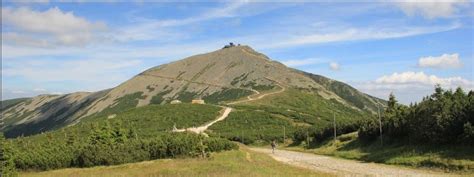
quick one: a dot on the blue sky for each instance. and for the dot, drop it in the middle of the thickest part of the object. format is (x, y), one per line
(378, 47)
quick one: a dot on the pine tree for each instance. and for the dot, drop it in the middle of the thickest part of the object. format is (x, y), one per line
(392, 103)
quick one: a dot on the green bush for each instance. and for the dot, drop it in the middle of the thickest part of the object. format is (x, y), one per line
(7, 164)
(300, 135)
(249, 127)
(445, 117)
(105, 141)
(368, 130)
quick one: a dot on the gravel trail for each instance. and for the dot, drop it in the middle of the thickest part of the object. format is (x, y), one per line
(343, 167)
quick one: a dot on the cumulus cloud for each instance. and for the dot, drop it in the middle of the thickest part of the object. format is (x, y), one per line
(48, 28)
(334, 66)
(431, 9)
(39, 90)
(423, 79)
(302, 62)
(411, 86)
(443, 61)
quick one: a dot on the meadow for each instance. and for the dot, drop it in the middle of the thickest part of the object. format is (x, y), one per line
(242, 162)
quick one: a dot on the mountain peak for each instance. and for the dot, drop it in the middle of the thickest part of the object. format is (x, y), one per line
(230, 73)
(244, 51)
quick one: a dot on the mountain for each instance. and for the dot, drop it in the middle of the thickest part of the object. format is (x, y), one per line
(217, 77)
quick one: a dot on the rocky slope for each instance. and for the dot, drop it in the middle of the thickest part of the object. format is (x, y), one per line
(222, 75)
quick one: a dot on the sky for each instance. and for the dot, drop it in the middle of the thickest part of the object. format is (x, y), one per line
(380, 47)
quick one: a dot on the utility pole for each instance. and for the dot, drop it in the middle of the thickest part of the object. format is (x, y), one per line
(334, 120)
(284, 135)
(380, 124)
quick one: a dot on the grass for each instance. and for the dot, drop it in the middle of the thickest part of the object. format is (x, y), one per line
(305, 106)
(241, 162)
(5, 104)
(158, 98)
(263, 120)
(348, 93)
(227, 94)
(153, 119)
(250, 126)
(447, 157)
(148, 121)
(126, 102)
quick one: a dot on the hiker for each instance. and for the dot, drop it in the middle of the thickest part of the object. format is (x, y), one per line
(273, 146)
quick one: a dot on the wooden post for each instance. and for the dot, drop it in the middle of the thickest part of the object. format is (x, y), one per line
(380, 125)
(284, 135)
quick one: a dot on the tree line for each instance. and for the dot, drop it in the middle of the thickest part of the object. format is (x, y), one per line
(444, 117)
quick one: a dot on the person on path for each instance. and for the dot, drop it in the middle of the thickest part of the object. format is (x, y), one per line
(273, 146)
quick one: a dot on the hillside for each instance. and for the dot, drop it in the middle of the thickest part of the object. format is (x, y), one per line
(108, 140)
(216, 77)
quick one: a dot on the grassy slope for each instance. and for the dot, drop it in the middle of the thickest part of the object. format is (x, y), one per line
(347, 92)
(252, 126)
(264, 119)
(147, 121)
(305, 106)
(231, 163)
(449, 158)
(5, 104)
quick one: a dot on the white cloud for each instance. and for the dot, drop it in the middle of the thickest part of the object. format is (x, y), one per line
(94, 74)
(23, 40)
(443, 61)
(420, 78)
(52, 27)
(334, 66)
(39, 90)
(18, 92)
(357, 34)
(151, 29)
(411, 86)
(431, 9)
(302, 62)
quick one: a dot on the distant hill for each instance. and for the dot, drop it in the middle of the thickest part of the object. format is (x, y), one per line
(227, 74)
(9, 103)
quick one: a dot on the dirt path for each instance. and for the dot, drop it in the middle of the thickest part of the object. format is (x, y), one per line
(201, 129)
(258, 96)
(342, 167)
(226, 112)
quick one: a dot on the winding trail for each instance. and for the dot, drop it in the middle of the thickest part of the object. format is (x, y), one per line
(249, 98)
(201, 129)
(343, 167)
(226, 111)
